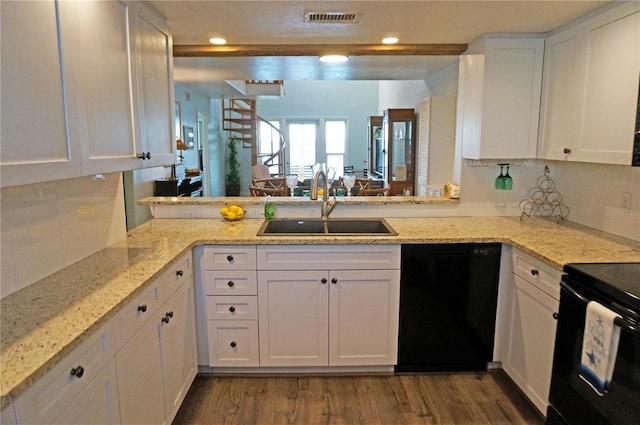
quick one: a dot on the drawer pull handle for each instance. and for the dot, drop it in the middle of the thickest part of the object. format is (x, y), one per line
(144, 155)
(555, 316)
(323, 280)
(180, 273)
(334, 280)
(232, 309)
(142, 308)
(77, 371)
(231, 283)
(535, 272)
(229, 258)
(233, 344)
(566, 151)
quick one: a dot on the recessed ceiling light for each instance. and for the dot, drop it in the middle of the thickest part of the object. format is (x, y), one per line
(217, 40)
(390, 40)
(333, 58)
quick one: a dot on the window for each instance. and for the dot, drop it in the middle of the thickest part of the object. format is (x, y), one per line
(302, 147)
(268, 143)
(336, 143)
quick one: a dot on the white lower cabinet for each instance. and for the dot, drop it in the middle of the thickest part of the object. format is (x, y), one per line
(530, 327)
(98, 402)
(341, 310)
(157, 366)
(228, 316)
(137, 368)
(85, 375)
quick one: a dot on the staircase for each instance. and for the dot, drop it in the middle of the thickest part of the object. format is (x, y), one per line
(240, 121)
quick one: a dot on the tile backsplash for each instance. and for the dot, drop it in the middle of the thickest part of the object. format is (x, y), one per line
(48, 226)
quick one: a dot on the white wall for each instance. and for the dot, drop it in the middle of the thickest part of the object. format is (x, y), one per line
(353, 100)
(48, 226)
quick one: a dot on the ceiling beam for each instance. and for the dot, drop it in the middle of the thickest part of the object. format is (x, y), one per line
(318, 50)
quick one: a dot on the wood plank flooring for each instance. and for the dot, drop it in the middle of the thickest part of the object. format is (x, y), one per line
(443, 399)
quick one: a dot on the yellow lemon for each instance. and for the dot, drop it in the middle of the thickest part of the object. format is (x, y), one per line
(240, 211)
(224, 210)
(320, 192)
(234, 209)
(230, 216)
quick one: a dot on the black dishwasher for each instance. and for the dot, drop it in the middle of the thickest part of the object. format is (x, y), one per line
(448, 299)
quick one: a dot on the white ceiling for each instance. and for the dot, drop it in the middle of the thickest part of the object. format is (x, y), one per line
(281, 22)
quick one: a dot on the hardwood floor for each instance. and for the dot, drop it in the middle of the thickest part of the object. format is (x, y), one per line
(445, 399)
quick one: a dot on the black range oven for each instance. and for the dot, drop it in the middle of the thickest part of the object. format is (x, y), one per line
(574, 401)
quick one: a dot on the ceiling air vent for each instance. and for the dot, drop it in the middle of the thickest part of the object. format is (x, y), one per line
(332, 17)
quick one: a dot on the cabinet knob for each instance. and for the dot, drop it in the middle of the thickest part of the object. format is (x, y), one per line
(144, 155)
(566, 151)
(179, 273)
(334, 280)
(535, 272)
(77, 371)
(232, 309)
(230, 283)
(167, 317)
(323, 280)
(229, 258)
(142, 308)
(556, 315)
(233, 344)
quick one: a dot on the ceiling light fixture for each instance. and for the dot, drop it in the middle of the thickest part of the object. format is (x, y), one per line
(333, 58)
(218, 41)
(390, 40)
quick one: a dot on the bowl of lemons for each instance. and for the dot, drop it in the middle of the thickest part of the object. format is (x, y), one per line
(232, 213)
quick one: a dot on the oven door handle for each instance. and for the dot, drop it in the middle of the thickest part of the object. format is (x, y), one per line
(624, 323)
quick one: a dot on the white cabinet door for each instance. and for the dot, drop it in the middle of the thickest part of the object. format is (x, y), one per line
(98, 402)
(139, 369)
(363, 317)
(563, 82)
(501, 81)
(153, 85)
(35, 143)
(529, 340)
(590, 89)
(293, 318)
(178, 345)
(611, 91)
(96, 51)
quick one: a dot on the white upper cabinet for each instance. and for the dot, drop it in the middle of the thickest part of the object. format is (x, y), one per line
(153, 85)
(86, 89)
(35, 142)
(499, 86)
(590, 89)
(95, 47)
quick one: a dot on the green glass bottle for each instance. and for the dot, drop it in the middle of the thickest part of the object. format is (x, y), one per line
(269, 209)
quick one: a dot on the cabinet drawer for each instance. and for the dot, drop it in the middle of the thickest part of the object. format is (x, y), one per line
(540, 275)
(49, 396)
(332, 257)
(180, 270)
(232, 308)
(136, 313)
(230, 283)
(233, 343)
(239, 257)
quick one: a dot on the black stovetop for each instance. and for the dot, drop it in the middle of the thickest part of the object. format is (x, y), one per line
(620, 281)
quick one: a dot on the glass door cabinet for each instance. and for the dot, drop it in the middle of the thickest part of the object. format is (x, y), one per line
(398, 128)
(376, 156)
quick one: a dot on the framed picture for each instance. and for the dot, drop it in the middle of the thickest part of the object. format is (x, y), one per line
(188, 136)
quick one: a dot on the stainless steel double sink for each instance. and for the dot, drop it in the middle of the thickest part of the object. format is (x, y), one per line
(329, 227)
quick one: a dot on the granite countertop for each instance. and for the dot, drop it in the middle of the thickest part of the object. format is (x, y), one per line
(297, 200)
(43, 322)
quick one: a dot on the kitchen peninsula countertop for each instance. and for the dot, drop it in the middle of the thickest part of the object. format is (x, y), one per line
(43, 322)
(297, 200)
